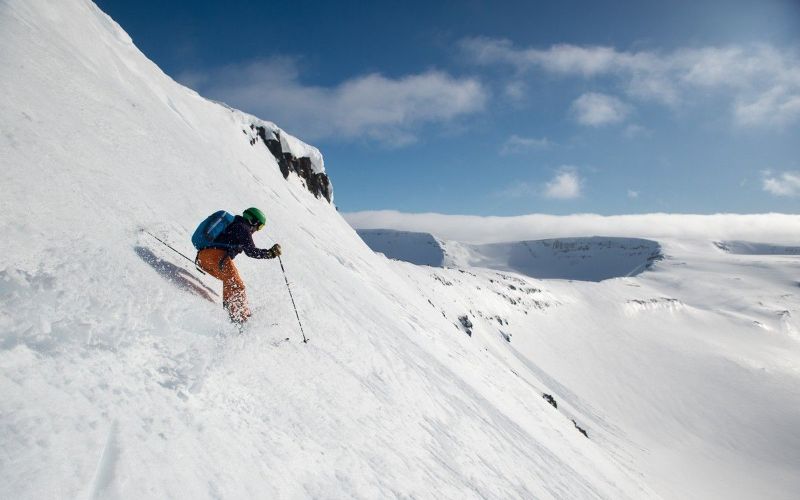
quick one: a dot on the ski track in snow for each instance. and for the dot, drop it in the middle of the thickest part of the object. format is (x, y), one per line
(104, 477)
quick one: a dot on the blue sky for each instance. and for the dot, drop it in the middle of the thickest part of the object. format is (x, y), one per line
(506, 108)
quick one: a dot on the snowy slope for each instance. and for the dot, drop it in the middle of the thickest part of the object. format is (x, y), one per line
(587, 259)
(417, 248)
(751, 248)
(689, 372)
(119, 374)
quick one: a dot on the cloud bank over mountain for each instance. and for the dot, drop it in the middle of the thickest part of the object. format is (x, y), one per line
(776, 228)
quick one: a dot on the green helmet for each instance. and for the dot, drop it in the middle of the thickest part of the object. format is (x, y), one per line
(255, 216)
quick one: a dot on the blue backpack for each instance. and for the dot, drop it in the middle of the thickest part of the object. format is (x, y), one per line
(210, 229)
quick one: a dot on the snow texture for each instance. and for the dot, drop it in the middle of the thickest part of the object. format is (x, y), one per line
(119, 373)
(688, 372)
(586, 259)
(417, 248)
(120, 376)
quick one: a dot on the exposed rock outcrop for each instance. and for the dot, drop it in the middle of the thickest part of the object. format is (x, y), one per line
(316, 182)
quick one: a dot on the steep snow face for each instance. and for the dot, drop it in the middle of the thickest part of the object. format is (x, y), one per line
(689, 372)
(585, 259)
(418, 248)
(119, 374)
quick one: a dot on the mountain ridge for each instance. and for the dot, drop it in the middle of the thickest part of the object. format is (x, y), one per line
(593, 258)
(119, 380)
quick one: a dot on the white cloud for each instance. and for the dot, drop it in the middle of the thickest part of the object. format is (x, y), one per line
(658, 88)
(774, 107)
(519, 190)
(594, 109)
(782, 184)
(634, 131)
(633, 194)
(769, 228)
(388, 110)
(566, 185)
(760, 82)
(562, 58)
(515, 91)
(517, 144)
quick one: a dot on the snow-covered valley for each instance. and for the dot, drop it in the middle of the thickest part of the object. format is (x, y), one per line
(687, 372)
(585, 259)
(121, 377)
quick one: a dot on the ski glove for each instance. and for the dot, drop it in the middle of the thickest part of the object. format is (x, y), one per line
(275, 251)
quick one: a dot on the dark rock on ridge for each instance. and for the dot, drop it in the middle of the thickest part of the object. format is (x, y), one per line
(317, 183)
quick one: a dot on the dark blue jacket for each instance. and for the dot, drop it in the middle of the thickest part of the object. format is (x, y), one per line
(238, 238)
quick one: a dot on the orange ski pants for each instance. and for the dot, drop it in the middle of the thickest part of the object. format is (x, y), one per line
(216, 262)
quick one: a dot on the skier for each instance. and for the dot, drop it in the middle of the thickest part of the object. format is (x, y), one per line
(217, 260)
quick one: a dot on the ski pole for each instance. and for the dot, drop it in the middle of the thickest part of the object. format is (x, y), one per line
(177, 252)
(305, 340)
